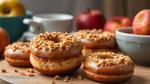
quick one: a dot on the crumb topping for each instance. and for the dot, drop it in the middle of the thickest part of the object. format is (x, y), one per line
(80, 77)
(57, 77)
(94, 35)
(3, 70)
(54, 40)
(66, 79)
(109, 58)
(23, 46)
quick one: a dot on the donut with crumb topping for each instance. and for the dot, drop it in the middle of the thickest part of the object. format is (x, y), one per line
(108, 67)
(18, 54)
(96, 39)
(55, 53)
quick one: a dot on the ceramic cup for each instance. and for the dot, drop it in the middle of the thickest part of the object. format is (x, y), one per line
(14, 25)
(50, 22)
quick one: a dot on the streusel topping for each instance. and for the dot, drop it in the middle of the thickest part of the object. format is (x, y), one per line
(54, 40)
(109, 58)
(94, 35)
(23, 46)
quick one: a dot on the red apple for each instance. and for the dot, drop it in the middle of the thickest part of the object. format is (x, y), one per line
(90, 19)
(117, 22)
(4, 40)
(141, 23)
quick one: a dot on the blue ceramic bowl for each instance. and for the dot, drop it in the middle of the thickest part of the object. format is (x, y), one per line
(14, 25)
(136, 46)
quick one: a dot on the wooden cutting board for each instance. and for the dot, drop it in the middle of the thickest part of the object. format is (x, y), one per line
(141, 76)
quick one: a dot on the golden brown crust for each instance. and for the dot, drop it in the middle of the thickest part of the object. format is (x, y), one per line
(18, 62)
(17, 54)
(107, 78)
(60, 72)
(95, 39)
(103, 65)
(119, 69)
(56, 67)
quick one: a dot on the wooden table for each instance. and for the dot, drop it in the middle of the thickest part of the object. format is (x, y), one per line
(141, 76)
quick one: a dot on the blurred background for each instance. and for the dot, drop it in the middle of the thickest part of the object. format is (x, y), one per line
(110, 8)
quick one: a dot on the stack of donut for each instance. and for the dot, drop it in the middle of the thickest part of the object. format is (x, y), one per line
(56, 53)
(99, 62)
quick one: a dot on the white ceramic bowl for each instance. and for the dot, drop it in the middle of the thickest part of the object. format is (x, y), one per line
(137, 46)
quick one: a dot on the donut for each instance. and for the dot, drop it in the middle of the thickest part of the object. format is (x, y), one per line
(18, 54)
(108, 67)
(55, 53)
(96, 39)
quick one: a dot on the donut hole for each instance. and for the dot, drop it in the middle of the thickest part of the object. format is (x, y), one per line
(106, 57)
(6, 10)
(55, 40)
(99, 55)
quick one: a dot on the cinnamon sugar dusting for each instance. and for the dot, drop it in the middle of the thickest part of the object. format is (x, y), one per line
(94, 35)
(54, 40)
(109, 58)
(23, 46)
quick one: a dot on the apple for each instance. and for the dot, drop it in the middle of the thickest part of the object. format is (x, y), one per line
(141, 23)
(4, 40)
(90, 19)
(117, 22)
(10, 8)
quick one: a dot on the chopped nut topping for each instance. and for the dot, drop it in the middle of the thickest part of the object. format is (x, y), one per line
(23, 46)
(23, 74)
(66, 79)
(54, 40)
(16, 71)
(27, 74)
(3, 70)
(94, 34)
(57, 77)
(106, 58)
(30, 70)
(30, 74)
(87, 52)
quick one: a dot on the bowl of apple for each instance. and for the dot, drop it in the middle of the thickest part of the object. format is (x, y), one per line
(12, 13)
(135, 40)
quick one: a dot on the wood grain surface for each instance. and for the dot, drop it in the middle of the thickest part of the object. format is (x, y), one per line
(141, 76)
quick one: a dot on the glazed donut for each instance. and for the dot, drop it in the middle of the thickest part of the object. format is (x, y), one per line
(96, 39)
(56, 53)
(108, 67)
(18, 54)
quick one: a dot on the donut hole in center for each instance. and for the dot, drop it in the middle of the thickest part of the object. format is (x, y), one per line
(56, 40)
(106, 57)
(6, 10)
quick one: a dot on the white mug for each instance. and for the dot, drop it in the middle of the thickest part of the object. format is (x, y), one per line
(50, 22)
